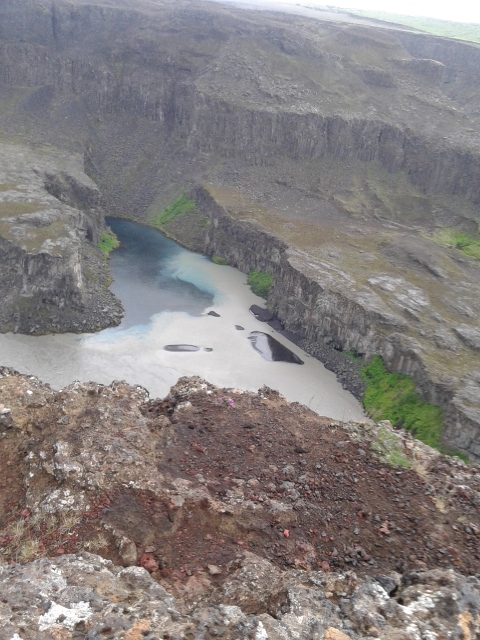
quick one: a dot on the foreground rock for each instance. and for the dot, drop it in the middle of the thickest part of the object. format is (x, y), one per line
(86, 596)
(53, 277)
(257, 516)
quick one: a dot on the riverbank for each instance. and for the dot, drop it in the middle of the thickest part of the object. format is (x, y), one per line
(171, 297)
(346, 366)
(316, 299)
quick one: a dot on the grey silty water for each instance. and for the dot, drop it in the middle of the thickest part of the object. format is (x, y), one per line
(168, 293)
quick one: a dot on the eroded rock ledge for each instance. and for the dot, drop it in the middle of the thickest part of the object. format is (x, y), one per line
(321, 300)
(53, 276)
(85, 596)
(225, 514)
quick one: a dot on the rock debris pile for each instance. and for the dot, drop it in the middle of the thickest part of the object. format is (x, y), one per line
(225, 514)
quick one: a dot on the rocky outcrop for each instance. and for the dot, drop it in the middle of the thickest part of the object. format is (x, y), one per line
(85, 594)
(321, 304)
(53, 276)
(217, 513)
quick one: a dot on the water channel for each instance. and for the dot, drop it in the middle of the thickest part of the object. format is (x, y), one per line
(184, 315)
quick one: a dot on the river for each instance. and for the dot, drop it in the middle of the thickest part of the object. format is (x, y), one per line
(167, 332)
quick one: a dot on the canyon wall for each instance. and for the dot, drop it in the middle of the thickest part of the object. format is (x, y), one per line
(309, 304)
(108, 60)
(53, 277)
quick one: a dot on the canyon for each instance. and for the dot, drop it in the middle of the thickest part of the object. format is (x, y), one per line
(340, 157)
(343, 159)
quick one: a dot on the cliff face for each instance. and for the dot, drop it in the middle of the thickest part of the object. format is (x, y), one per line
(313, 90)
(53, 276)
(356, 150)
(321, 303)
(261, 136)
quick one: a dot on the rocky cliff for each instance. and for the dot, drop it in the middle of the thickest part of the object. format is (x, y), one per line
(53, 276)
(322, 304)
(355, 149)
(189, 74)
(222, 514)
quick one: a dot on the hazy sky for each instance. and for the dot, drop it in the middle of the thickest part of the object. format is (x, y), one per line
(459, 10)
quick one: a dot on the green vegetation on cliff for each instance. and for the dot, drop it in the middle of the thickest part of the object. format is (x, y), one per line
(467, 243)
(392, 396)
(260, 283)
(177, 208)
(108, 242)
(219, 260)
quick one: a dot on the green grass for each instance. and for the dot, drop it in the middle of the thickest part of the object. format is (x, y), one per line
(260, 283)
(108, 242)
(352, 355)
(219, 260)
(446, 28)
(177, 208)
(392, 396)
(469, 244)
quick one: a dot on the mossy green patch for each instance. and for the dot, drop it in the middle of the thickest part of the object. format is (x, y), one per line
(260, 283)
(392, 396)
(108, 242)
(219, 260)
(467, 243)
(388, 448)
(177, 208)
(352, 355)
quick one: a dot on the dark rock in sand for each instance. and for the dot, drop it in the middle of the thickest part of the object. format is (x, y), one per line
(214, 314)
(276, 324)
(263, 315)
(270, 349)
(239, 328)
(181, 347)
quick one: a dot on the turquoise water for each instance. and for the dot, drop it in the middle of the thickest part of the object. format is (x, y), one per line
(143, 277)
